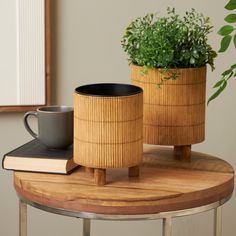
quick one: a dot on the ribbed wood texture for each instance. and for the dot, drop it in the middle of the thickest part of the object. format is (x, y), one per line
(30, 52)
(174, 114)
(108, 131)
(12, 106)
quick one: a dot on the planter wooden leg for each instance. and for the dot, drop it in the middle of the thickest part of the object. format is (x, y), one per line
(100, 176)
(183, 153)
(89, 170)
(134, 171)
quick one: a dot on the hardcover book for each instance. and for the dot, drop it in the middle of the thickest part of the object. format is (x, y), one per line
(34, 156)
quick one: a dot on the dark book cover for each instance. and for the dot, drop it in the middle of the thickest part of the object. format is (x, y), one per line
(35, 152)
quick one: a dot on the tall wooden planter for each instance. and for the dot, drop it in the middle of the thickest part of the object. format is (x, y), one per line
(108, 132)
(174, 114)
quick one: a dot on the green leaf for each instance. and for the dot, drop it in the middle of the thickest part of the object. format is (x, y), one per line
(195, 54)
(231, 18)
(219, 83)
(233, 66)
(231, 5)
(144, 71)
(172, 41)
(225, 43)
(235, 40)
(218, 92)
(225, 30)
(226, 72)
(192, 60)
(230, 75)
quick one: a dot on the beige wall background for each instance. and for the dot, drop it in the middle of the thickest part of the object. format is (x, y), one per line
(86, 49)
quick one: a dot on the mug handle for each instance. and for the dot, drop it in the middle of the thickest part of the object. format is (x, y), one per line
(30, 113)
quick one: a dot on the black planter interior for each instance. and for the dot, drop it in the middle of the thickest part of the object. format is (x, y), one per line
(108, 90)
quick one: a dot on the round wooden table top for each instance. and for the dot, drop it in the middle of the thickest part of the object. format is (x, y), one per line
(165, 184)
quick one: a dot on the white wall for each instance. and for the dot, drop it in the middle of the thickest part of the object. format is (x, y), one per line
(86, 49)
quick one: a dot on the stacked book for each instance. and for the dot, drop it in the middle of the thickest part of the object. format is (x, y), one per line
(34, 156)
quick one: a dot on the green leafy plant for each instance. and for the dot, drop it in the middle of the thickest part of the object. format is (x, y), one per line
(229, 35)
(169, 42)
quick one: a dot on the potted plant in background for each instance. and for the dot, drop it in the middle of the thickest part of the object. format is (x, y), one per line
(229, 35)
(168, 57)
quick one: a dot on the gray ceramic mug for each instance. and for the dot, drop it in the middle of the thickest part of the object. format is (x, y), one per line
(55, 126)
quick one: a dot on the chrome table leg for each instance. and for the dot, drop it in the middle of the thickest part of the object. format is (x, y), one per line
(167, 226)
(22, 218)
(86, 227)
(218, 221)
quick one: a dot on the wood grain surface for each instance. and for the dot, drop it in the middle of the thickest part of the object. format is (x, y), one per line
(164, 184)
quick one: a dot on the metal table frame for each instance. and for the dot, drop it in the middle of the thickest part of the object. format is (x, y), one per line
(87, 217)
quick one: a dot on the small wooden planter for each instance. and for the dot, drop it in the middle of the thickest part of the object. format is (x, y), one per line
(108, 121)
(174, 114)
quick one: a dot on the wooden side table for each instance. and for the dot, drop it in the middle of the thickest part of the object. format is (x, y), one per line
(166, 188)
